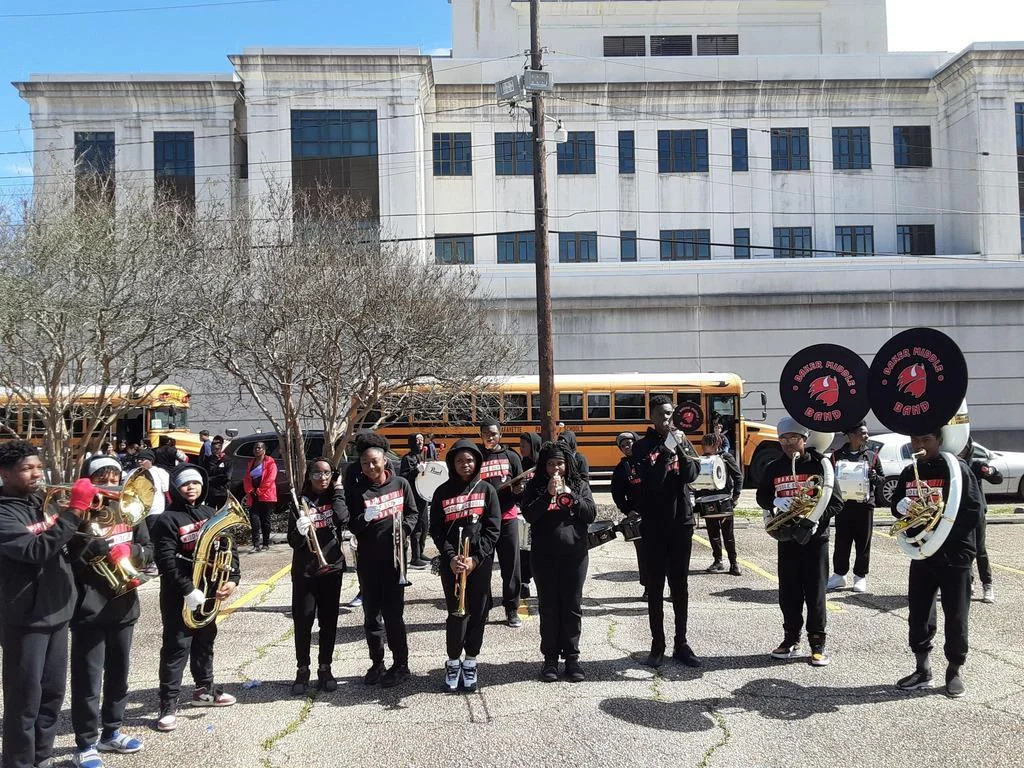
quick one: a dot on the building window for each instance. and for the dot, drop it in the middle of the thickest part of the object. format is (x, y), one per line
(627, 245)
(453, 249)
(453, 154)
(94, 166)
(855, 241)
(629, 45)
(851, 149)
(912, 146)
(513, 154)
(791, 149)
(739, 149)
(915, 239)
(627, 152)
(174, 167)
(685, 244)
(792, 243)
(334, 152)
(683, 151)
(718, 45)
(671, 45)
(741, 243)
(516, 248)
(576, 156)
(577, 247)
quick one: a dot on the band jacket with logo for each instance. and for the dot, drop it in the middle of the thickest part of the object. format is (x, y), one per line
(96, 604)
(625, 486)
(959, 547)
(37, 589)
(329, 514)
(865, 456)
(733, 481)
(778, 480)
(663, 499)
(556, 530)
(376, 537)
(175, 533)
(458, 505)
(499, 466)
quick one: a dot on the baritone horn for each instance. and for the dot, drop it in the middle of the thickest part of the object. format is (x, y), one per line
(211, 561)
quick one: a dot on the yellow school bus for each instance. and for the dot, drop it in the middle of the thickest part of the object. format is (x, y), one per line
(154, 411)
(597, 407)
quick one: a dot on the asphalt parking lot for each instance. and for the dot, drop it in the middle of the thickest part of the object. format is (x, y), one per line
(741, 708)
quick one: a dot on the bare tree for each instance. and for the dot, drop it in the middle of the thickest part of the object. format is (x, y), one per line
(90, 315)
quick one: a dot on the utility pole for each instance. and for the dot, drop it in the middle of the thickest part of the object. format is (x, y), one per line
(545, 343)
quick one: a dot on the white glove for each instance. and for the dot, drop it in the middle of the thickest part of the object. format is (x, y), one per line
(782, 503)
(903, 507)
(303, 524)
(421, 467)
(195, 599)
(371, 514)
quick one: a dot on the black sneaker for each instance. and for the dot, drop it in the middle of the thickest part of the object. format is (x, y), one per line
(524, 591)
(396, 675)
(954, 685)
(920, 678)
(419, 564)
(301, 684)
(818, 656)
(325, 680)
(686, 656)
(655, 659)
(374, 673)
(574, 671)
(734, 570)
(549, 672)
(512, 618)
(716, 567)
(788, 649)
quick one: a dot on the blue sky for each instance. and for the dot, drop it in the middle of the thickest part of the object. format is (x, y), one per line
(199, 39)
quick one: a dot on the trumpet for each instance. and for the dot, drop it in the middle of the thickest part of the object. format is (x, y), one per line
(803, 503)
(925, 511)
(398, 540)
(311, 538)
(460, 582)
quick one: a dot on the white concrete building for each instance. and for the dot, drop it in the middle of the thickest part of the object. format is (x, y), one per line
(710, 142)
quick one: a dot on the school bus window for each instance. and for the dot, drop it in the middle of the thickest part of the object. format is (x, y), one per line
(515, 409)
(629, 406)
(488, 405)
(535, 408)
(460, 411)
(689, 397)
(75, 423)
(669, 395)
(570, 406)
(599, 406)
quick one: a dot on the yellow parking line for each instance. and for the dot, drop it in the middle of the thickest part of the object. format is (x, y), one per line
(1000, 566)
(253, 593)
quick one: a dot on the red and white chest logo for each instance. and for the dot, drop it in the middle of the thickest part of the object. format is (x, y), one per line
(387, 505)
(789, 485)
(497, 467)
(43, 525)
(188, 535)
(911, 487)
(463, 506)
(321, 516)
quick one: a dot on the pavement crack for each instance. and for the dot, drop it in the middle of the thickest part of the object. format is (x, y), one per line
(721, 722)
(261, 653)
(269, 744)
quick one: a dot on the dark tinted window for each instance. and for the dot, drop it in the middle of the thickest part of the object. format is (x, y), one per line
(570, 406)
(630, 406)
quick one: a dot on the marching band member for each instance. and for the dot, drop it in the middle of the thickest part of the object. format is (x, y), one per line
(568, 437)
(559, 506)
(102, 630)
(854, 521)
(948, 571)
(38, 592)
(720, 529)
(410, 468)
(501, 464)
(803, 560)
(666, 516)
(316, 590)
(983, 473)
(374, 495)
(465, 507)
(529, 448)
(174, 534)
(625, 492)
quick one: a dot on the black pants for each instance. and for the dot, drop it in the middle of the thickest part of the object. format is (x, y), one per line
(315, 597)
(667, 555)
(954, 583)
(508, 560)
(853, 528)
(466, 633)
(180, 645)
(525, 574)
(560, 602)
(383, 608)
(984, 566)
(641, 561)
(99, 662)
(720, 529)
(34, 672)
(259, 519)
(421, 532)
(803, 573)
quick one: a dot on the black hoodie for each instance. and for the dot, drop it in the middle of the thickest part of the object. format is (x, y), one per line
(662, 498)
(394, 497)
(176, 531)
(582, 465)
(778, 480)
(96, 606)
(499, 466)
(330, 517)
(457, 505)
(535, 443)
(555, 530)
(37, 589)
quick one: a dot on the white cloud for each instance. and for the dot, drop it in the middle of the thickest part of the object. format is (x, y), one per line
(438, 52)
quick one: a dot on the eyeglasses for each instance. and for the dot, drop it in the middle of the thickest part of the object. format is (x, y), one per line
(319, 475)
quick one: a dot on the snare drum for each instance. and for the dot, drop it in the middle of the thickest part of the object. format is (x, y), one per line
(852, 478)
(712, 474)
(600, 533)
(433, 476)
(629, 527)
(715, 507)
(524, 533)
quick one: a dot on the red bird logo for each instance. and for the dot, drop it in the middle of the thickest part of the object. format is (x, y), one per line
(825, 389)
(913, 380)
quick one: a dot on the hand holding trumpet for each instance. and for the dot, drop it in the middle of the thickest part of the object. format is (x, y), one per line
(462, 564)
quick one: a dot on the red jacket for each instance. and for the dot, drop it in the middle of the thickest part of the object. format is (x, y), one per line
(267, 489)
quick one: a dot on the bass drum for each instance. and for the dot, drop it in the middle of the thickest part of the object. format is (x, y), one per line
(712, 474)
(853, 482)
(433, 476)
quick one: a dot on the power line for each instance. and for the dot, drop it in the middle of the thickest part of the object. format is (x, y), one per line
(144, 9)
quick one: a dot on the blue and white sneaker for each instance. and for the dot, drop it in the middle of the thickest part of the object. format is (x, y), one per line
(87, 758)
(121, 743)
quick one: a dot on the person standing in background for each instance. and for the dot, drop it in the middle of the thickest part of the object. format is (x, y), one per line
(260, 485)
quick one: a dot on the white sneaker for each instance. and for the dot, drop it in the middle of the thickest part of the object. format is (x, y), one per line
(988, 593)
(452, 673)
(860, 583)
(835, 581)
